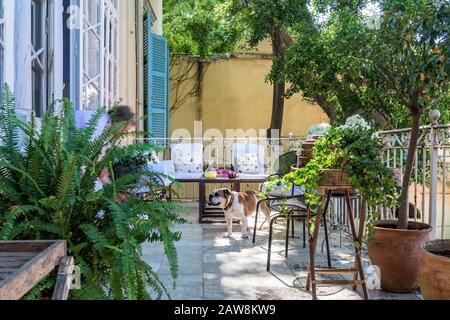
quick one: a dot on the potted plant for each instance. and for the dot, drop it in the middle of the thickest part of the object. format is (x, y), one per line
(129, 164)
(435, 270)
(406, 58)
(348, 155)
(48, 191)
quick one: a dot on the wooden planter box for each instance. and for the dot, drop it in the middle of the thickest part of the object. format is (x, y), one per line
(23, 264)
(308, 145)
(307, 153)
(335, 178)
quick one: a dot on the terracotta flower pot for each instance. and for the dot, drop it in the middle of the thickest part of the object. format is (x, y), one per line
(398, 253)
(435, 270)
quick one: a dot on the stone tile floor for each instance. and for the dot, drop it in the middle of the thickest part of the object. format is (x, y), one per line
(214, 268)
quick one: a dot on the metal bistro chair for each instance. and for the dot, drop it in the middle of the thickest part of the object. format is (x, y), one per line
(152, 188)
(282, 201)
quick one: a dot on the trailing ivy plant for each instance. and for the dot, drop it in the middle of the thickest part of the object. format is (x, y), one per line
(47, 191)
(354, 148)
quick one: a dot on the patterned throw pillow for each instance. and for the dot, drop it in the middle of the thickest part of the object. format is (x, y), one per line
(189, 168)
(188, 161)
(247, 163)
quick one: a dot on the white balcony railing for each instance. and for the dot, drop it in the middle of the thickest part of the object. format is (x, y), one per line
(219, 151)
(430, 188)
(429, 192)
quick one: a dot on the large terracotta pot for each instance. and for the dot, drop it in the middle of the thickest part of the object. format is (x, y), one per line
(435, 270)
(398, 253)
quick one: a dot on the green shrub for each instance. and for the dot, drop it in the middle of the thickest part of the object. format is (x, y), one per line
(47, 191)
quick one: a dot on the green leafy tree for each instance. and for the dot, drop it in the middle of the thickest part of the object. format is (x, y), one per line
(273, 20)
(407, 59)
(325, 63)
(322, 62)
(47, 191)
(201, 28)
(198, 32)
(347, 64)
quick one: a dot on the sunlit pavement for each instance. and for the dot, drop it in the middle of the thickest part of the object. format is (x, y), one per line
(214, 268)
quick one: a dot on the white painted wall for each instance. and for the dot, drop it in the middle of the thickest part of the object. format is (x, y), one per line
(157, 6)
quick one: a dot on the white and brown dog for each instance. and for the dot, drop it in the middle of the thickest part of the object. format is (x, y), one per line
(237, 205)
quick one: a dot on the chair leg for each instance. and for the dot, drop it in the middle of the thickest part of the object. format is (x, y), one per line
(256, 220)
(304, 233)
(325, 227)
(293, 228)
(269, 250)
(288, 221)
(262, 224)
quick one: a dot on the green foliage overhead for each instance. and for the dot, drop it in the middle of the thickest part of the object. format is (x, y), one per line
(336, 49)
(407, 57)
(201, 28)
(341, 45)
(47, 192)
(262, 18)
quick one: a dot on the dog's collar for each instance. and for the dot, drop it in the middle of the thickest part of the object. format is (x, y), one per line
(230, 203)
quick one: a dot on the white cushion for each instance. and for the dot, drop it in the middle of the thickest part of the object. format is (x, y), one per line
(256, 176)
(154, 157)
(187, 158)
(247, 163)
(182, 175)
(189, 168)
(166, 168)
(240, 149)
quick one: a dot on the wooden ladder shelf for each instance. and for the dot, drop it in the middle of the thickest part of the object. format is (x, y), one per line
(357, 270)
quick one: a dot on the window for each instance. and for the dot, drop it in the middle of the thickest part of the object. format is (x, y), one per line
(39, 51)
(91, 57)
(111, 57)
(100, 54)
(2, 43)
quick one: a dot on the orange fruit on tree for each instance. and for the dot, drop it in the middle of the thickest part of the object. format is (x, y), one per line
(408, 37)
(422, 77)
(441, 58)
(436, 50)
(426, 98)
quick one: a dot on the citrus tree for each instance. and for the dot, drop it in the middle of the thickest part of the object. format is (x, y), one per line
(407, 59)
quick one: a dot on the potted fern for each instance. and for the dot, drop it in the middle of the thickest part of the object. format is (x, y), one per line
(47, 191)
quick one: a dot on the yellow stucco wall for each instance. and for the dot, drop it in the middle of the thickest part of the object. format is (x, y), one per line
(236, 96)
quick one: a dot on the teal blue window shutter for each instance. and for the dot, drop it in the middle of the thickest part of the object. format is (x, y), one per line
(156, 84)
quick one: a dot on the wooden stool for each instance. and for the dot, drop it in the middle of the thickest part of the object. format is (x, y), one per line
(357, 271)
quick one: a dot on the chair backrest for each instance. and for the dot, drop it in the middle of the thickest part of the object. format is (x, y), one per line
(187, 157)
(285, 162)
(243, 149)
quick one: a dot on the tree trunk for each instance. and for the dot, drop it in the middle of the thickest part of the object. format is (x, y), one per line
(403, 211)
(330, 110)
(279, 89)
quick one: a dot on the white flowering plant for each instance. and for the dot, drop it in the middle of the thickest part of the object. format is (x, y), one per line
(319, 129)
(356, 122)
(354, 148)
